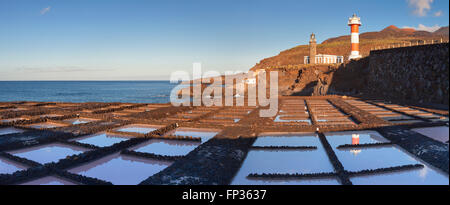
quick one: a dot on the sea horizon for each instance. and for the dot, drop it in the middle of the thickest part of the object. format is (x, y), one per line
(129, 91)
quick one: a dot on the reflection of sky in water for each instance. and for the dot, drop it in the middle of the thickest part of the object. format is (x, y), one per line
(45, 125)
(438, 133)
(10, 130)
(424, 176)
(8, 167)
(48, 153)
(204, 135)
(121, 170)
(284, 162)
(12, 119)
(401, 117)
(102, 140)
(174, 147)
(312, 181)
(167, 147)
(373, 158)
(407, 121)
(340, 138)
(440, 119)
(137, 129)
(50, 180)
(79, 121)
(277, 119)
(357, 159)
(228, 118)
(50, 115)
(292, 141)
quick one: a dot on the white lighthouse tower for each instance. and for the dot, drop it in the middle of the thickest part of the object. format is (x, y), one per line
(354, 22)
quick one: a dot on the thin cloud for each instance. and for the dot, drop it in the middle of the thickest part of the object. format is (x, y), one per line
(421, 7)
(45, 10)
(59, 69)
(422, 27)
(438, 13)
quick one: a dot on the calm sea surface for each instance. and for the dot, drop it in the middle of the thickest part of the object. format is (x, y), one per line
(86, 91)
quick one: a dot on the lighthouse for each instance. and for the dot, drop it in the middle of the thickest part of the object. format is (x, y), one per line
(312, 49)
(354, 22)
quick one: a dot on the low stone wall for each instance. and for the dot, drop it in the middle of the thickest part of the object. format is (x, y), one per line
(419, 73)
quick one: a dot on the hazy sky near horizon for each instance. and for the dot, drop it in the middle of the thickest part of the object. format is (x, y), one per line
(149, 39)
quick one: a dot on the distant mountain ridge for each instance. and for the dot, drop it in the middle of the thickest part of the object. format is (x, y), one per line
(395, 32)
(341, 45)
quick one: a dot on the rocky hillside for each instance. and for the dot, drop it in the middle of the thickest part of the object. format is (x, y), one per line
(341, 45)
(418, 74)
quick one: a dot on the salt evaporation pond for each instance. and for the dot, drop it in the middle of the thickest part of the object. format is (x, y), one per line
(438, 133)
(361, 137)
(423, 176)
(166, 147)
(9, 167)
(48, 153)
(286, 161)
(138, 129)
(49, 180)
(174, 147)
(121, 170)
(10, 130)
(101, 140)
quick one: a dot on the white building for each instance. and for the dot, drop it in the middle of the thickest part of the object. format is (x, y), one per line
(324, 59)
(250, 81)
(314, 58)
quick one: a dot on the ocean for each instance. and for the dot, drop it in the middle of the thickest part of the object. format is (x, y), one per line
(86, 91)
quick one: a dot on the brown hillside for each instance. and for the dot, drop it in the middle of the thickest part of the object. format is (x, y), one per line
(442, 31)
(341, 45)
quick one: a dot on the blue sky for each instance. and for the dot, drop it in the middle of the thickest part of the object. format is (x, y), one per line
(147, 40)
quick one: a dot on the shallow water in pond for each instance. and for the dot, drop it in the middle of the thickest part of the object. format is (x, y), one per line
(407, 121)
(48, 153)
(49, 180)
(290, 140)
(441, 119)
(228, 118)
(11, 120)
(137, 129)
(121, 170)
(423, 176)
(9, 167)
(312, 181)
(45, 125)
(101, 140)
(175, 147)
(365, 137)
(167, 147)
(204, 135)
(401, 117)
(438, 133)
(50, 115)
(79, 121)
(277, 119)
(373, 158)
(10, 130)
(283, 162)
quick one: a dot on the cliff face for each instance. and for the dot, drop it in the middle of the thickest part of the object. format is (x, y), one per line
(305, 80)
(341, 45)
